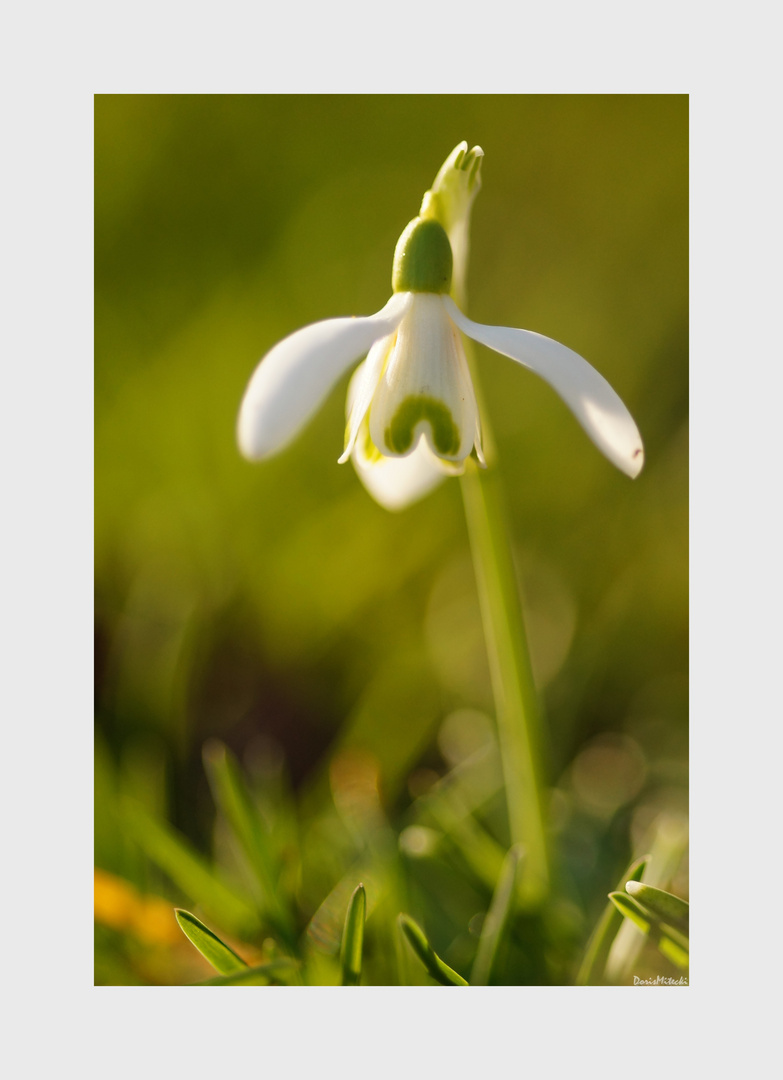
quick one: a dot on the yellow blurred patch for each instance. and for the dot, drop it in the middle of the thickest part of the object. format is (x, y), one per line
(120, 906)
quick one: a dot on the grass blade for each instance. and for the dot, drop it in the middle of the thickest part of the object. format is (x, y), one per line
(237, 806)
(353, 937)
(668, 907)
(497, 917)
(187, 869)
(483, 855)
(254, 976)
(670, 942)
(221, 956)
(597, 950)
(441, 972)
(669, 835)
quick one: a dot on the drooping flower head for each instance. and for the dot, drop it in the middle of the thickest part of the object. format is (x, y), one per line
(412, 416)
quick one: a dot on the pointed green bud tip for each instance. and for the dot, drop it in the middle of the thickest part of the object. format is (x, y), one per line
(422, 258)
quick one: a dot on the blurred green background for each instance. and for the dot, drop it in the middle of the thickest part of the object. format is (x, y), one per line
(332, 646)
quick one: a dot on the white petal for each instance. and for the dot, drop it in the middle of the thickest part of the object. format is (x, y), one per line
(357, 384)
(425, 388)
(396, 482)
(361, 389)
(589, 396)
(296, 375)
(393, 482)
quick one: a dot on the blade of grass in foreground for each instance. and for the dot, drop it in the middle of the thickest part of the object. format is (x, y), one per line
(187, 869)
(480, 851)
(669, 835)
(221, 956)
(497, 917)
(236, 804)
(597, 951)
(353, 937)
(441, 972)
(668, 907)
(671, 943)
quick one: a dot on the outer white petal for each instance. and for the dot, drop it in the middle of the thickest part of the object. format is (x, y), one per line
(589, 396)
(426, 371)
(296, 375)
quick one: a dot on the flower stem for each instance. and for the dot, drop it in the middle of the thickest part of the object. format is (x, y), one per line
(516, 703)
(516, 700)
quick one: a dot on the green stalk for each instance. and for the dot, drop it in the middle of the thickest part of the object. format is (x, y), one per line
(516, 700)
(450, 201)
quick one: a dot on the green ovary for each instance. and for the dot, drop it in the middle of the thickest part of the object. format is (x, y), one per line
(423, 261)
(445, 433)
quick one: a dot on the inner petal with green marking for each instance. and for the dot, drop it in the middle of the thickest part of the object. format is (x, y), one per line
(424, 389)
(398, 436)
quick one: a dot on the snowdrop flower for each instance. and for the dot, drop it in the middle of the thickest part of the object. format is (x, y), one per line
(412, 416)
